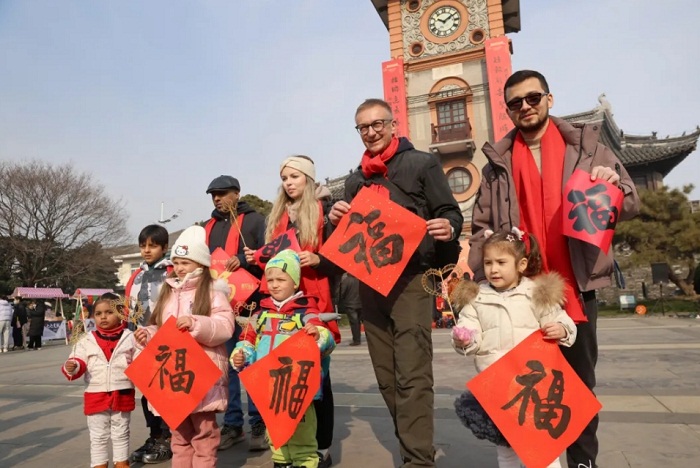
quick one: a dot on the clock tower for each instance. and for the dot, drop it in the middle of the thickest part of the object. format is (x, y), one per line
(449, 61)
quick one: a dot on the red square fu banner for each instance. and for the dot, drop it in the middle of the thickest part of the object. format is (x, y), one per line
(173, 372)
(283, 385)
(591, 209)
(375, 240)
(536, 400)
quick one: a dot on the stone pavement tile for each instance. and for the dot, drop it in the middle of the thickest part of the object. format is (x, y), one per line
(632, 403)
(681, 404)
(648, 445)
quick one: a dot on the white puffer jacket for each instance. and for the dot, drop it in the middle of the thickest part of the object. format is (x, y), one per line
(501, 320)
(5, 310)
(102, 375)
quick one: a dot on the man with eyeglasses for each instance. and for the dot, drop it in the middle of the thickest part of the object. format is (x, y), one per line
(398, 327)
(522, 186)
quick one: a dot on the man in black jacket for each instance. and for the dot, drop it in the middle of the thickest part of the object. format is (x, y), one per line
(233, 226)
(398, 327)
(19, 320)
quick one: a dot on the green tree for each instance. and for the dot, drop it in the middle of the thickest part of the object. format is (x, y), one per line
(665, 231)
(55, 221)
(258, 204)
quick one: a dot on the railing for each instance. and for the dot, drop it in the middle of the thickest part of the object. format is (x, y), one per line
(460, 130)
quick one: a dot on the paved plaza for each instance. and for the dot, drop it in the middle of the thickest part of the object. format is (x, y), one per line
(648, 383)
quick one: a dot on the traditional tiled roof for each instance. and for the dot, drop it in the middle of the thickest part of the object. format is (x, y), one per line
(637, 151)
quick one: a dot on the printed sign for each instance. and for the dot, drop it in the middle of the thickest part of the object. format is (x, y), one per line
(498, 69)
(173, 372)
(375, 240)
(241, 282)
(536, 400)
(283, 385)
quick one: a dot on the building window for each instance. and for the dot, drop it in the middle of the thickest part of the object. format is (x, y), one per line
(459, 179)
(452, 112)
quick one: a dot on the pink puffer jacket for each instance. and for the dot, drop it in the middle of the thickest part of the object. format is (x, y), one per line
(211, 332)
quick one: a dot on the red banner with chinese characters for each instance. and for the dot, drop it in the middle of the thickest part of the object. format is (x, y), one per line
(283, 385)
(591, 209)
(395, 94)
(498, 69)
(173, 372)
(536, 400)
(286, 240)
(375, 240)
(241, 282)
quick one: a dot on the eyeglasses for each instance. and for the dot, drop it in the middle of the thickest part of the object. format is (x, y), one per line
(531, 99)
(377, 126)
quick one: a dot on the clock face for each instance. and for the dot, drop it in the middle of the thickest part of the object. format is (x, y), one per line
(444, 21)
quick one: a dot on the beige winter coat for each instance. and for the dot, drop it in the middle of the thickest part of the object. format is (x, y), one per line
(501, 320)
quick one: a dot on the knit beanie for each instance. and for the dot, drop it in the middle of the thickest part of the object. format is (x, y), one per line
(302, 165)
(288, 261)
(192, 245)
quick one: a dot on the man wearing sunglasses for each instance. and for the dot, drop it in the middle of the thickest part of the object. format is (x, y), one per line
(398, 327)
(522, 186)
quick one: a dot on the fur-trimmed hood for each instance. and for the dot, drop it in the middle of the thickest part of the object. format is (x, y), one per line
(546, 291)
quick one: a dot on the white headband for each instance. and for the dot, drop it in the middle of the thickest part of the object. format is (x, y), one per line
(302, 165)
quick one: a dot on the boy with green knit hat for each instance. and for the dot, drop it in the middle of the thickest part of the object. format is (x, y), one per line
(284, 313)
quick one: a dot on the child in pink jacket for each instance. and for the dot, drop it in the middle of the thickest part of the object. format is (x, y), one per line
(201, 306)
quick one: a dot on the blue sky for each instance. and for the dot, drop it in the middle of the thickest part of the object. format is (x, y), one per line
(156, 98)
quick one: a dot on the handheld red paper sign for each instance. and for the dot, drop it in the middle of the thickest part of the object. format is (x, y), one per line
(242, 283)
(375, 240)
(173, 372)
(536, 400)
(283, 384)
(286, 240)
(591, 209)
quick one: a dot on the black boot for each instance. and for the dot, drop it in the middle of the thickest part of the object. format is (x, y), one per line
(159, 453)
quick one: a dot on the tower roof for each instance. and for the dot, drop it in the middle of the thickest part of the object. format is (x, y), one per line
(638, 150)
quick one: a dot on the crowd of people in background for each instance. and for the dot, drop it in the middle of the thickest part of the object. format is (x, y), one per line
(23, 321)
(515, 238)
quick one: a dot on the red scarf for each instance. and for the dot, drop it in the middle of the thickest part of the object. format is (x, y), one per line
(232, 237)
(372, 165)
(312, 283)
(540, 201)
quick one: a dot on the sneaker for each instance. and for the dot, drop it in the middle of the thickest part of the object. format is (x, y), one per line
(230, 436)
(137, 455)
(160, 452)
(258, 438)
(324, 461)
(282, 465)
(355, 343)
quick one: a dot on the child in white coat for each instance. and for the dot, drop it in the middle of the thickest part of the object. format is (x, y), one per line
(102, 356)
(498, 315)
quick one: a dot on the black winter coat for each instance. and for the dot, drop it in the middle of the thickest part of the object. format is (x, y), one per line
(36, 320)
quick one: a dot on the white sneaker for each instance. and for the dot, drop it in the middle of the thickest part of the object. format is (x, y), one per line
(4, 350)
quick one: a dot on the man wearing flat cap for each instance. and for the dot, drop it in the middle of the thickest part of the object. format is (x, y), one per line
(233, 225)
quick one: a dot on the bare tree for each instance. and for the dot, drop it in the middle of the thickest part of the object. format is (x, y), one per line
(51, 217)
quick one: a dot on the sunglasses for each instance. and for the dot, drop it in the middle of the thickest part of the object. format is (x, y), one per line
(531, 99)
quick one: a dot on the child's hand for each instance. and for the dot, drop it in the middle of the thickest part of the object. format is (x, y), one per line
(70, 366)
(238, 359)
(249, 256)
(141, 336)
(553, 331)
(462, 336)
(184, 322)
(312, 330)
